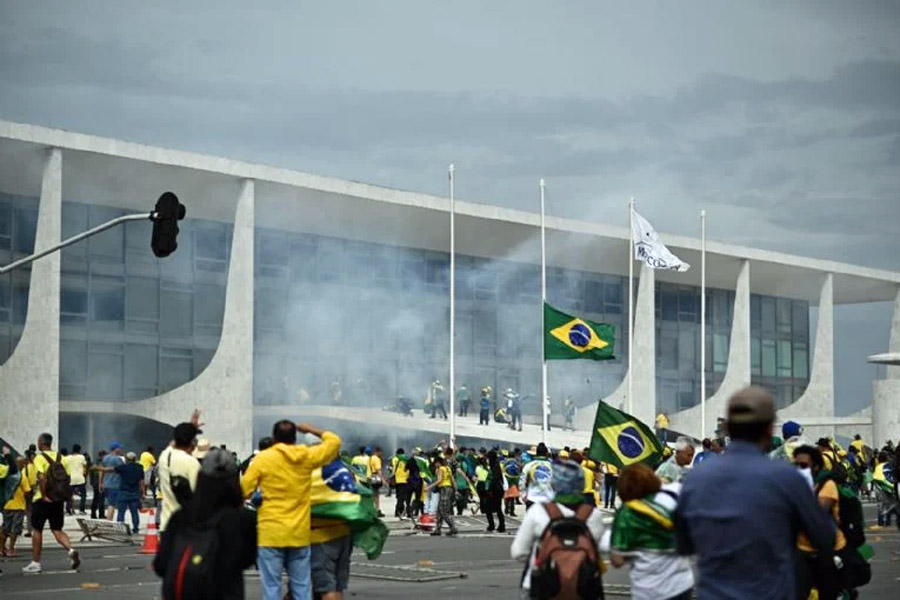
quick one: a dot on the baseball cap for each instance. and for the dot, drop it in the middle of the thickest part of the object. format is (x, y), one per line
(131, 456)
(752, 404)
(791, 429)
(115, 446)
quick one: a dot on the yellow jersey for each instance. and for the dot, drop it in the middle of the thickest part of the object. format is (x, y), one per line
(147, 460)
(17, 502)
(41, 466)
(401, 471)
(446, 477)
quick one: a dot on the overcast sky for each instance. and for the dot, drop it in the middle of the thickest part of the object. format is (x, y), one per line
(781, 119)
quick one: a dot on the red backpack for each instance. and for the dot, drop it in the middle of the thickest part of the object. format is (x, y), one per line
(567, 562)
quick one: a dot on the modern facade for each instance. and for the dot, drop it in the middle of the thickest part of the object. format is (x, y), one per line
(295, 293)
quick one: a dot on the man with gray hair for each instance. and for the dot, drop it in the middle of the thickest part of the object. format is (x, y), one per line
(674, 469)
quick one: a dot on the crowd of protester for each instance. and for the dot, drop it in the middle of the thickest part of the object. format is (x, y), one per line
(793, 519)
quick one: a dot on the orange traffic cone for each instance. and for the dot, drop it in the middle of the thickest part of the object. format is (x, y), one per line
(151, 539)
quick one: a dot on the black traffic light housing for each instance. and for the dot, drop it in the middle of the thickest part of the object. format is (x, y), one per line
(165, 219)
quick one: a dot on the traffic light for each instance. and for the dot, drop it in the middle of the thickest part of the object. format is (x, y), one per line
(165, 219)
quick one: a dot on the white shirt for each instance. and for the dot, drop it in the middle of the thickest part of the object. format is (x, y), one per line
(173, 461)
(657, 575)
(537, 479)
(532, 528)
(76, 464)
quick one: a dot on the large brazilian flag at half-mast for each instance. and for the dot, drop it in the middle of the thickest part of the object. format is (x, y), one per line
(566, 336)
(622, 440)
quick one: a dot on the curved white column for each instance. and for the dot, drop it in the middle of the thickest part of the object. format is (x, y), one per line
(644, 354)
(29, 380)
(818, 399)
(886, 392)
(224, 390)
(737, 374)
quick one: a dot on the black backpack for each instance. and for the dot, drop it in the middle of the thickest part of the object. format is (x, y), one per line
(191, 569)
(566, 562)
(57, 483)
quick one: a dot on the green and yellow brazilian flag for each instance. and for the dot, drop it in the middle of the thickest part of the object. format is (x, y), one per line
(336, 497)
(566, 336)
(622, 440)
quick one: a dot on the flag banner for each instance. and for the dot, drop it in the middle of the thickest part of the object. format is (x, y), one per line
(648, 248)
(642, 525)
(622, 440)
(424, 469)
(566, 336)
(335, 497)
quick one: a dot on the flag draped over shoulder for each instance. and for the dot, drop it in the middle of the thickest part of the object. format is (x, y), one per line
(622, 440)
(643, 525)
(566, 336)
(648, 248)
(336, 497)
(424, 469)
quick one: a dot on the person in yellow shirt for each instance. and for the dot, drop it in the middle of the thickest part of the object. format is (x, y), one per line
(610, 481)
(401, 483)
(820, 570)
(662, 426)
(13, 510)
(148, 461)
(362, 466)
(282, 473)
(46, 509)
(376, 477)
(445, 486)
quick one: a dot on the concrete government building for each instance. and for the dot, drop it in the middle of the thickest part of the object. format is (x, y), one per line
(299, 296)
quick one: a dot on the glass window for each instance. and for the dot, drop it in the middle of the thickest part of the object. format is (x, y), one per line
(109, 244)
(755, 314)
(688, 302)
(613, 292)
(783, 315)
(105, 381)
(667, 350)
(593, 296)
(141, 366)
(784, 358)
(5, 219)
(800, 319)
(274, 249)
(768, 358)
(209, 302)
(687, 342)
(767, 310)
(801, 360)
(176, 313)
(437, 271)
(142, 298)
(330, 260)
(26, 228)
(107, 303)
(72, 361)
(210, 242)
(755, 359)
(73, 301)
(669, 305)
(720, 353)
(20, 302)
(721, 308)
(485, 328)
(174, 371)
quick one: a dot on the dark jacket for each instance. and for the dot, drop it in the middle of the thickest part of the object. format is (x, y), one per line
(237, 550)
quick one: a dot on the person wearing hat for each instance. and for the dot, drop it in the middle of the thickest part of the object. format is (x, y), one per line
(202, 449)
(216, 503)
(792, 436)
(568, 484)
(484, 413)
(131, 489)
(109, 478)
(739, 514)
(177, 469)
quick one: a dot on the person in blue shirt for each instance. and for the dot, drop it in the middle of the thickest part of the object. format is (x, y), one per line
(131, 490)
(740, 514)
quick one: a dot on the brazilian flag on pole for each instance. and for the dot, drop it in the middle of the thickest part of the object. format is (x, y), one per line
(566, 336)
(621, 440)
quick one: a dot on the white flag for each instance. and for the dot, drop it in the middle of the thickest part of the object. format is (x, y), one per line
(649, 249)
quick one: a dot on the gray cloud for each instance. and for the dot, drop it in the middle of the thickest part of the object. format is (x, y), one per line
(783, 120)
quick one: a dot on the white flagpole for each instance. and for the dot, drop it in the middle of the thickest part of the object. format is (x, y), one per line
(630, 305)
(702, 324)
(541, 184)
(452, 385)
